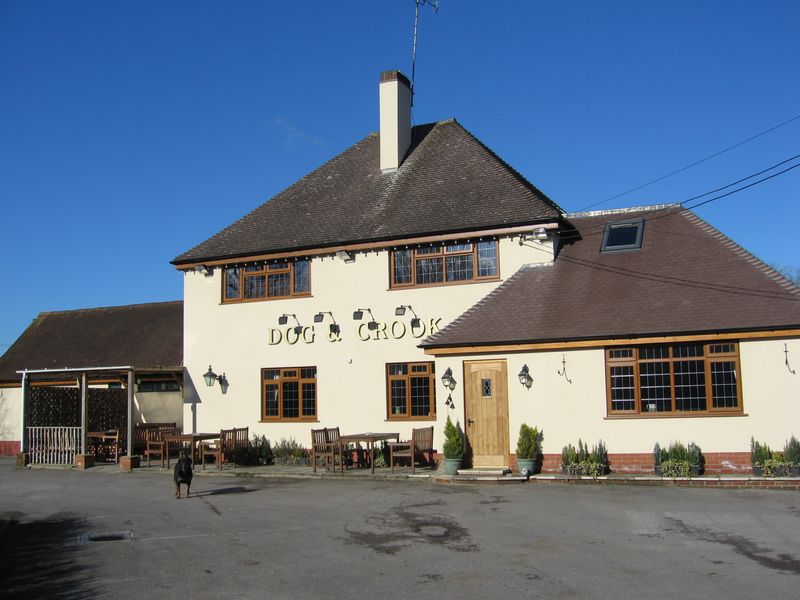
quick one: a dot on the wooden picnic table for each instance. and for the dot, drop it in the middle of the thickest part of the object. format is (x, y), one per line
(369, 439)
(191, 438)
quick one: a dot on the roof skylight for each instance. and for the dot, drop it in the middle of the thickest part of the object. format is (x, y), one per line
(623, 235)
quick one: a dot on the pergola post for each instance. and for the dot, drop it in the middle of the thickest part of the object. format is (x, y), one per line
(130, 413)
(84, 412)
(23, 439)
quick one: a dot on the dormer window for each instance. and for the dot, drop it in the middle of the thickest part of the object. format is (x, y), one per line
(623, 235)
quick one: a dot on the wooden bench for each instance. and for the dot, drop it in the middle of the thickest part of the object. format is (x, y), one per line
(421, 442)
(227, 448)
(144, 431)
(156, 444)
(325, 446)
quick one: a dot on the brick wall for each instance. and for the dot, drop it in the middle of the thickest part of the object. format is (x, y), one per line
(9, 448)
(716, 463)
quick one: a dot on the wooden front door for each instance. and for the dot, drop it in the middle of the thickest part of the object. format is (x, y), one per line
(486, 412)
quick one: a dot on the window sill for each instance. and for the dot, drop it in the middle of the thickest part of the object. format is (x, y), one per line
(394, 288)
(402, 419)
(268, 299)
(674, 416)
(288, 421)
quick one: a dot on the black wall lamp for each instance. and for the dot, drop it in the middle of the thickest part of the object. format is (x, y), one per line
(210, 377)
(284, 319)
(358, 314)
(525, 377)
(448, 380)
(320, 316)
(401, 310)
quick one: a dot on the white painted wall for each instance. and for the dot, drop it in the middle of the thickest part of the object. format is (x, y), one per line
(567, 411)
(351, 394)
(10, 414)
(158, 407)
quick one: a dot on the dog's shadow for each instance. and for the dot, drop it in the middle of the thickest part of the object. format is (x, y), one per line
(235, 489)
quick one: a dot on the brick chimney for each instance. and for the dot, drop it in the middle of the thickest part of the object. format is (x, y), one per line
(395, 100)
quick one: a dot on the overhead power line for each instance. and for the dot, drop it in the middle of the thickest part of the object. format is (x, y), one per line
(679, 207)
(694, 164)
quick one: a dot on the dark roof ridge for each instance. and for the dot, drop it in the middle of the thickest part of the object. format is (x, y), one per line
(517, 175)
(299, 182)
(283, 192)
(98, 308)
(431, 339)
(751, 258)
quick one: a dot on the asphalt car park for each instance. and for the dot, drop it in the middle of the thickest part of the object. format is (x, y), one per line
(90, 534)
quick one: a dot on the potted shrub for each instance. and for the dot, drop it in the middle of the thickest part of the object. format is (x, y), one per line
(791, 455)
(585, 462)
(453, 447)
(529, 448)
(759, 454)
(678, 460)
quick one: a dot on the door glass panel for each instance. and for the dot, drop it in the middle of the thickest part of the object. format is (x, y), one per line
(486, 388)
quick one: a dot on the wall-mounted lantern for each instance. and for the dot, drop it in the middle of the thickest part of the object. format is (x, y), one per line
(210, 377)
(525, 377)
(448, 380)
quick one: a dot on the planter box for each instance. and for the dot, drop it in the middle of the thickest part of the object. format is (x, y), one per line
(694, 470)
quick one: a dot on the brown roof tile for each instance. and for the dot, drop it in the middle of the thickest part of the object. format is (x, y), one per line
(449, 182)
(687, 278)
(138, 335)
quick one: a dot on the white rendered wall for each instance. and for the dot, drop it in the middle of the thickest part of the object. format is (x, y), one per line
(351, 380)
(10, 414)
(567, 411)
(158, 407)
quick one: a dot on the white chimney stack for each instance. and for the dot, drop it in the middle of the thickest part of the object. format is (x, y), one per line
(395, 99)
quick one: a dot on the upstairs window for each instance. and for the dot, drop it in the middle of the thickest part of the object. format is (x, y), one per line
(266, 281)
(623, 235)
(444, 264)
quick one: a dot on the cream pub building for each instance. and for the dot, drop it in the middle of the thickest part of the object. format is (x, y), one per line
(418, 255)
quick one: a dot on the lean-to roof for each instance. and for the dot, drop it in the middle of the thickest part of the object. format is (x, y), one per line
(687, 278)
(448, 182)
(147, 336)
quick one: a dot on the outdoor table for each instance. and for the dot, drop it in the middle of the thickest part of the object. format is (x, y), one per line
(192, 438)
(110, 437)
(369, 439)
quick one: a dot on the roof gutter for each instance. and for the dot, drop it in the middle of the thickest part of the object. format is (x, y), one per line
(74, 370)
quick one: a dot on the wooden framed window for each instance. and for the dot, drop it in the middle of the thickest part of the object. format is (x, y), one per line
(266, 281)
(289, 394)
(444, 264)
(684, 379)
(410, 391)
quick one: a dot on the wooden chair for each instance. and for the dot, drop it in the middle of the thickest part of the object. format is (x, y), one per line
(325, 445)
(155, 444)
(227, 448)
(421, 442)
(143, 431)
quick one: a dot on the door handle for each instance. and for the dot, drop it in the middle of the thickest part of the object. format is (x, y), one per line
(470, 422)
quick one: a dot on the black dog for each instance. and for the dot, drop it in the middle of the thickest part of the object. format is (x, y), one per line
(183, 474)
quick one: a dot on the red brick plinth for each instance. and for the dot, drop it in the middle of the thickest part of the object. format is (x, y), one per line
(84, 461)
(128, 463)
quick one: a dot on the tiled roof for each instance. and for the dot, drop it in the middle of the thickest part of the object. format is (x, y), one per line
(138, 335)
(449, 182)
(686, 278)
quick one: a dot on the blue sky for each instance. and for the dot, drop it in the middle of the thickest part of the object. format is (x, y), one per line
(131, 131)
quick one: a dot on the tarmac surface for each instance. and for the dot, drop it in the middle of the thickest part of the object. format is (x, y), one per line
(103, 533)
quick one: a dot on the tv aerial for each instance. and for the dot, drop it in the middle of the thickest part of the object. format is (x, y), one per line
(434, 4)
